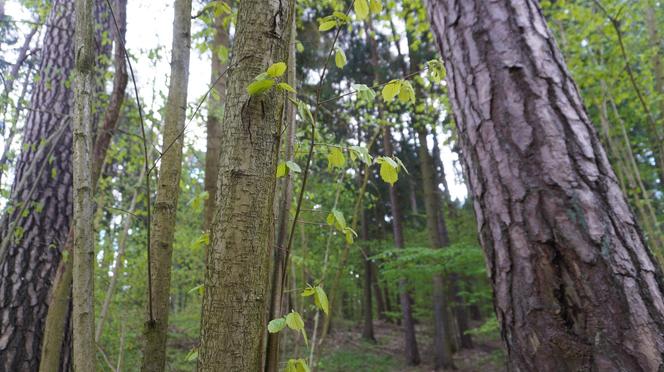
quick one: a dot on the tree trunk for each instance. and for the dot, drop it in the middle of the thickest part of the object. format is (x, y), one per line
(575, 285)
(442, 326)
(83, 265)
(235, 304)
(378, 294)
(367, 329)
(215, 112)
(32, 245)
(168, 190)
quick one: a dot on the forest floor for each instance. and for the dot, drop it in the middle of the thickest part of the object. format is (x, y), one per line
(345, 350)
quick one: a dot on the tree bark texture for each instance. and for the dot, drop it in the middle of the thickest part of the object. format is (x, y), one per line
(575, 286)
(32, 244)
(236, 299)
(215, 114)
(83, 252)
(168, 190)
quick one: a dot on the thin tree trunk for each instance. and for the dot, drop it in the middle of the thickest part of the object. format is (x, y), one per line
(220, 40)
(283, 206)
(378, 294)
(83, 264)
(168, 191)
(235, 303)
(367, 329)
(55, 347)
(566, 259)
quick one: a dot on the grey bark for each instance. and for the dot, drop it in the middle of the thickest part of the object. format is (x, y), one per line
(168, 191)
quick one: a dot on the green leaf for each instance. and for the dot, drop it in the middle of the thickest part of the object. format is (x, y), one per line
(192, 355)
(401, 166)
(293, 166)
(286, 87)
(376, 6)
(327, 25)
(388, 170)
(301, 366)
(436, 70)
(361, 9)
(350, 235)
(281, 170)
(391, 89)
(340, 58)
(260, 86)
(362, 153)
(291, 366)
(336, 158)
(341, 16)
(364, 92)
(339, 218)
(277, 69)
(320, 299)
(276, 325)
(330, 219)
(406, 93)
(309, 291)
(294, 321)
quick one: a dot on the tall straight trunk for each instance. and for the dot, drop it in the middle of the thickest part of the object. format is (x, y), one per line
(410, 347)
(83, 265)
(367, 307)
(442, 325)
(235, 304)
(282, 212)
(377, 293)
(220, 40)
(168, 191)
(655, 41)
(55, 346)
(32, 244)
(566, 258)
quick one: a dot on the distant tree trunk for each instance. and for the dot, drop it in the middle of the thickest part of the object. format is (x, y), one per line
(220, 40)
(168, 190)
(378, 294)
(83, 266)
(566, 259)
(442, 326)
(31, 246)
(282, 212)
(367, 329)
(235, 304)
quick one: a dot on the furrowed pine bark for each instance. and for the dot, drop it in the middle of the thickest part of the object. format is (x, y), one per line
(220, 41)
(575, 286)
(168, 191)
(442, 349)
(235, 303)
(83, 264)
(32, 245)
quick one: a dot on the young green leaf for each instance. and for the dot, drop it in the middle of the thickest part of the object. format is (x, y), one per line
(327, 25)
(339, 218)
(364, 92)
(350, 235)
(391, 89)
(277, 69)
(281, 170)
(301, 366)
(259, 86)
(336, 158)
(286, 87)
(376, 6)
(276, 325)
(294, 321)
(293, 166)
(340, 58)
(320, 299)
(330, 219)
(406, 93)
(388, 170)
(309, 291)
(361, 9)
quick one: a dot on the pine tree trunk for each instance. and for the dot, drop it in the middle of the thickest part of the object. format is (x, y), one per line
(367, 307)
(31, 246)
(575, 285)
(168, 190)
(442, 326)
(235, 304)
